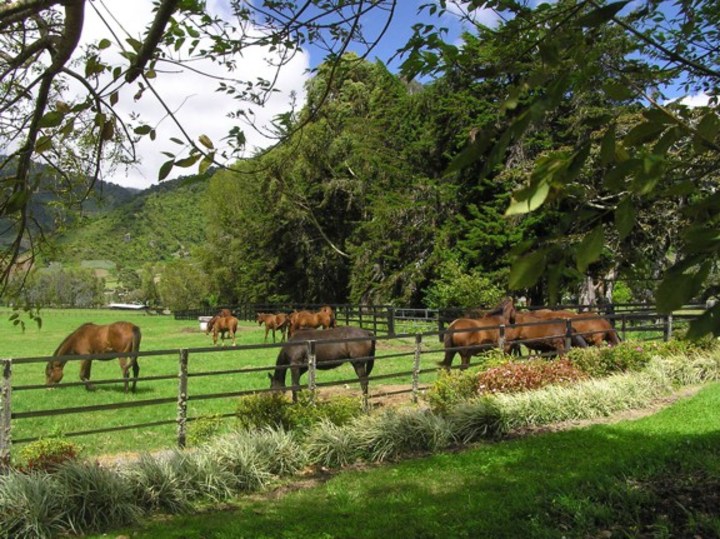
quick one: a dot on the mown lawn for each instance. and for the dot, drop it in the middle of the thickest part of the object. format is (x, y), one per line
(208, 368)
(654, 477)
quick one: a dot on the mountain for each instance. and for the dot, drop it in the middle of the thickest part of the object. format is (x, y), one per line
(160, 223)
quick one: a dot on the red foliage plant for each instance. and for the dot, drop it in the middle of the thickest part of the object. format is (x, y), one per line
(518, 376)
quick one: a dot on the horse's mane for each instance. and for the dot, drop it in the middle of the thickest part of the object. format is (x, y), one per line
(65, 344)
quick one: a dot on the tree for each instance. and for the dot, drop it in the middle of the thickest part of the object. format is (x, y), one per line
(182, 285)
(668, 153)
(57, 100)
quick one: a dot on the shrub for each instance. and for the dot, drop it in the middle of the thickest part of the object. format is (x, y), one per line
(273, 410)
(338, 410)
(264, 410)
(602, 361)
(532, 374)
(47, 454)
(203, 428)
(450, 388)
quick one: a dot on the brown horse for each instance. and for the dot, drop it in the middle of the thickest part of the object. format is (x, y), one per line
(540, 334)
(333, 346)
(310, 320)
(592, 327)
(222, 325)
(272, 322)
(97, 339)
(469, 336)
(331, 313)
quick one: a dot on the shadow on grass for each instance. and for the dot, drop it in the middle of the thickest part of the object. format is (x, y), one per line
(612, 481)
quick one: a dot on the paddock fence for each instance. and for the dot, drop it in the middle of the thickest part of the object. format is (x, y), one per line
(405, 364)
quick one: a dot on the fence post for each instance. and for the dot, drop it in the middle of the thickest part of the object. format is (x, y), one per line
(667, 331)
(416, 367)
(182, 398)
(441, 326)
(501, 337)
(391, 321)
(5, 413)
(623, 327)
(312, 364)
(568, 334)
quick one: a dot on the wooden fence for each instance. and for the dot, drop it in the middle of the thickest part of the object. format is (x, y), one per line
(649, 325)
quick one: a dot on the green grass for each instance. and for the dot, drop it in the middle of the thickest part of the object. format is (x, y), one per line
(655, 477)
(159, 333)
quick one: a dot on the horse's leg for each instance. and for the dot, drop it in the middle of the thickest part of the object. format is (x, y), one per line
(295, 377)
(85, 366)
(361, 371)
(266, 332)
(125, 367)
(232, 334)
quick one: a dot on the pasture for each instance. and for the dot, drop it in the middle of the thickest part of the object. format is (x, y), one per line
(208, 385)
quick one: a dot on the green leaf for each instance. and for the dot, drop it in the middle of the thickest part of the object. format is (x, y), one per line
(52, 119)
(676, 289)
(643, 133)
(43, 144)
(205, 141)
(590, 248)
(165, 169)
(528, 198)
(526, 271)
(617, 91)
(142, 130)
(708, 322)
(607, 146)
(601, 15)
(188, 161)
(206, 162)
(104, 43)
(625, 217)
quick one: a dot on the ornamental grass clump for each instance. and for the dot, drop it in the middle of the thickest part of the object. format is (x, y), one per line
(157, 485)
(395, 433)
(475, 420)
(95, 498)
(331, 445)
(236, 454)
(279, 448)
(31, 505)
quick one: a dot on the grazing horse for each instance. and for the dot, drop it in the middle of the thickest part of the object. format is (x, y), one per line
(469, 336)
(311, 320)
(97, 339)
(541, 335)
(593, 328)
(221, 325)
(333, 346)
(272, 322)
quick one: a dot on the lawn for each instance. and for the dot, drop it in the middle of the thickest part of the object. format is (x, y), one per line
(165, 336)
(653, 477)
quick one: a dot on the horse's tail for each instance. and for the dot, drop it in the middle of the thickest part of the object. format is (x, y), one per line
(370, 363)
(612, 337)
(135, 342)
(449, 353)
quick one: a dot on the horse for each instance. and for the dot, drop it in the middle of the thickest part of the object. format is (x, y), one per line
(272, 322)
(92, 338)
(470, 336)
(332, 347)
(541, 335)
(594, 329)
(331, 313)
(220, 325)
(310, 320)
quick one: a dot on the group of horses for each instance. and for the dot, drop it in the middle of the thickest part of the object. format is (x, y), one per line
(544, 331)
(289, 324)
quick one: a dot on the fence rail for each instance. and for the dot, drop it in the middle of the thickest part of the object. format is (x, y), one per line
(414, 346)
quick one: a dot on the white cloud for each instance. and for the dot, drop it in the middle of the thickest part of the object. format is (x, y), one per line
(697, 100)
(484, 16)
(191, 96)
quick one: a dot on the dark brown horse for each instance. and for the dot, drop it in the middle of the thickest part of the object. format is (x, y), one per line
(310, 320)
(540, 334)
(222, 325)
(277, 321)
(471, 336)
(121, 337)
(592, 327)
(333, 346)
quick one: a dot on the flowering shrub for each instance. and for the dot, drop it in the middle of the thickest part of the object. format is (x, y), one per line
(450, 388)
(526, 375)
(47, 454)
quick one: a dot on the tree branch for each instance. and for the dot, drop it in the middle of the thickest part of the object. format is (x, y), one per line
(164, 12)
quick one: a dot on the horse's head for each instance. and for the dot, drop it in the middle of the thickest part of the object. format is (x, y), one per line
(53, 372)
(276, 384)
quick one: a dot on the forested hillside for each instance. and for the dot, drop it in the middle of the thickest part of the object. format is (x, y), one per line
(160, 223)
